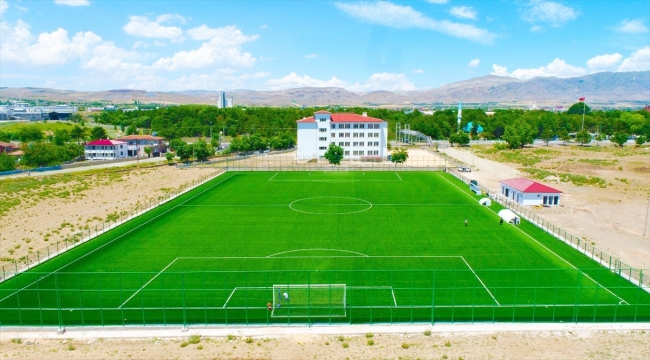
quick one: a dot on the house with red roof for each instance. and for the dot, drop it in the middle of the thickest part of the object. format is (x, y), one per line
(6, 148)
(105, 149)
(529, 192)
(360, 136)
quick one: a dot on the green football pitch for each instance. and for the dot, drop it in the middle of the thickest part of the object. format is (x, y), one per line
(320, 247)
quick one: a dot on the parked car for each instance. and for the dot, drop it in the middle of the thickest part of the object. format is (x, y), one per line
(464, 169)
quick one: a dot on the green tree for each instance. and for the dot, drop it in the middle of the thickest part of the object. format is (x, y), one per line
(578, 108)
(640, 140)
(176, 143)
(564, 136)
(184, 152)
(131, 130)
(7, 163)
(459, 138)
(334, 154)
(583, 137)
(170, 157)
(598, 138)
(399, 155)
(518, 135)
(619, 138)
(78, 133)
(202, 150)
(147, 151)
(97, 133)
(548, 134)
(29, 133)
(61, 137)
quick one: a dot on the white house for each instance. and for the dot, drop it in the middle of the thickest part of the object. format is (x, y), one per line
(105, 150)
(360, 136)
(529, 192)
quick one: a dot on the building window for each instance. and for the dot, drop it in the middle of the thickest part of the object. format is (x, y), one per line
(355, 153)
(340, 134)
(341, 126)
(361, 135)
(321, 119)
(361, 144)
(333, 126)
(333, 143)
(347, 144)
(355, 135)
(347, 153)
(333, 134)
(340, 144)
(355, 126)
(347, 126)
(322, 148)
(362, 126)
(347, 134)
(322, 129)
(322, 139)
(361, 153)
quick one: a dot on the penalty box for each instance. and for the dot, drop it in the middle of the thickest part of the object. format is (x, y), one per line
(355, 280)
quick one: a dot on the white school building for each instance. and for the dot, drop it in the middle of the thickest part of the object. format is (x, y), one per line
(529, 192)
(360, 136)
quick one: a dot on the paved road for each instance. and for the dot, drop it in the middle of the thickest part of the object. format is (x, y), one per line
(96, 165)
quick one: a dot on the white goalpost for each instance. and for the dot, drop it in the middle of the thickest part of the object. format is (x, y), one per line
(309, 300)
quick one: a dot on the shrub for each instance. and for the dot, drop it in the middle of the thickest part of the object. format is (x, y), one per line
(194, 339)
(447, 343)
(231, 337)
(371, 342)
(249, 340)
(405, 346)
(184, 344)
(427, 332)
(17, 341)
(369, 335)
(345, 345)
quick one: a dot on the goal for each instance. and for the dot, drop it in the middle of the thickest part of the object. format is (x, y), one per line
(309, 300)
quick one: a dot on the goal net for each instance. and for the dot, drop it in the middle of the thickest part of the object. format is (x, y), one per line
(309, 300)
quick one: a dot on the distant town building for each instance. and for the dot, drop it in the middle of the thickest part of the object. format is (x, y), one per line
(224, 102)
(360, 136)
(105, 150)
(137, 144)
(23, 111)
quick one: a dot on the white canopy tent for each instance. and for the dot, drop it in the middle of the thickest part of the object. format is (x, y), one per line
(485, 202)
(509, 216)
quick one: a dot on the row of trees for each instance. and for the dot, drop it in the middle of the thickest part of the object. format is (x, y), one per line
(255, 142)
(335, 154)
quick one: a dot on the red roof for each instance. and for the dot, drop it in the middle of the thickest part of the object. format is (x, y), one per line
(354, 118)
(306, 120)
(106, 142)
(529, 186)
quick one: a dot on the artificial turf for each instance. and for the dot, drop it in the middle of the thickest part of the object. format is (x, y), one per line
(351, 247)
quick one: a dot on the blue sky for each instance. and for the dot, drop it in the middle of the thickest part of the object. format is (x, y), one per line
(270, 45)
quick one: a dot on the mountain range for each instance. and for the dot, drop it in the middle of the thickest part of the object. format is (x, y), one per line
(604, 89)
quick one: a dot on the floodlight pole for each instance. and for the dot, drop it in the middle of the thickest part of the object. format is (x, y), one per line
(645, 228)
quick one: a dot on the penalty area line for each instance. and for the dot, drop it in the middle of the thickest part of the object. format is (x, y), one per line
(481, 281)
(399, 177)
(147, 283)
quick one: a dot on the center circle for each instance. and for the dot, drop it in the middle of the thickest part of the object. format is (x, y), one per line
(327, 205)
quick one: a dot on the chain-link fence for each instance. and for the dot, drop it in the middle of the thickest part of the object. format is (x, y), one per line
(326, 296)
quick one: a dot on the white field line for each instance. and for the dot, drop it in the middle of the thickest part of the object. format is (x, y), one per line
(341, 181)
(318, 249)
(280, 205)
(481, 281)
(273, 176)
(400, 178)
(393, 292)
(542, 245)
(147, 283)
(135, 228)
(231, 294)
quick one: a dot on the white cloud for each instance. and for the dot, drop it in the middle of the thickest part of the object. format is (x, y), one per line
(222, 48)
(378, 81)
(463, 12)
(141, 26)
(638, 61)
(418, 71)
(403, 17)
(499, 70)
(437, 1)
(3, 6)
(311, 56)
(604, 62)
(635, 26)
(263, 26)
(558, 68)
(72, 2)
(548, 12)
(474, 63)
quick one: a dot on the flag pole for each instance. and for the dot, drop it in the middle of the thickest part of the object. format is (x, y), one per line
(584, 107)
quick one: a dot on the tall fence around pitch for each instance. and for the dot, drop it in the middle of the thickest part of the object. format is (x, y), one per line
(614, 264)
(275, 297)
(10, 269)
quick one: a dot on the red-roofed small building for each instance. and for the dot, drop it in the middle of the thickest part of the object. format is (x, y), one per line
(6, 148)
(360, 136)
(529, 192)
(105, 150)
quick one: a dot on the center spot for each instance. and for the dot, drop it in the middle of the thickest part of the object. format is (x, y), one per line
(330, 205)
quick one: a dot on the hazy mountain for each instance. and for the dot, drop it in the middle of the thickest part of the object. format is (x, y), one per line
(604, 88)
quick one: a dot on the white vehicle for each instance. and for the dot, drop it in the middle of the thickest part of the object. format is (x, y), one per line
(464, 169)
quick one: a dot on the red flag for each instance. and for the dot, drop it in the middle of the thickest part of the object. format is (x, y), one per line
(582, 98)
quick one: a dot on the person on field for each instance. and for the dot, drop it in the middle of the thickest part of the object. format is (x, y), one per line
(269, 306)
(286, 296)
(465, 222)
(501, 221)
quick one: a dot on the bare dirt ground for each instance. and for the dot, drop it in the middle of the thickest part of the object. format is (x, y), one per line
(38, 211)
(607, 207)
(580, 344)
